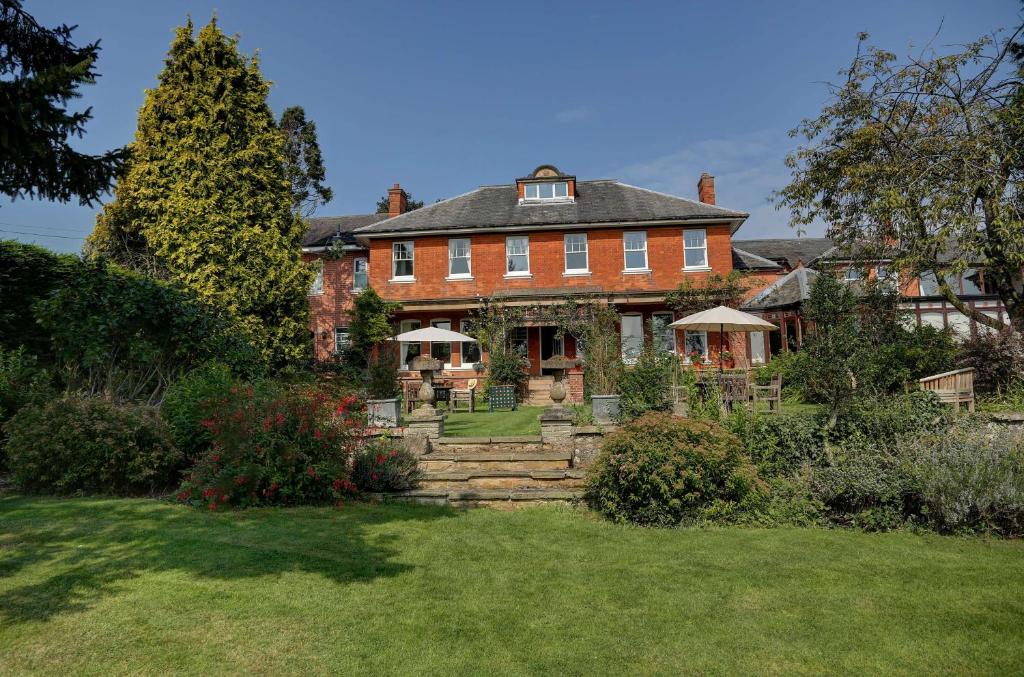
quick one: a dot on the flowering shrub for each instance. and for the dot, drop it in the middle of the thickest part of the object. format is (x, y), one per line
(91, 445)
(385, 466)
(661, 470)
(291, 446)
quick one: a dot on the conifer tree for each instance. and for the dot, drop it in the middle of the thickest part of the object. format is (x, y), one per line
(205, 201)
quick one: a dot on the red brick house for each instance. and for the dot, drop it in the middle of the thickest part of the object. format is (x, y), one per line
(534, 240)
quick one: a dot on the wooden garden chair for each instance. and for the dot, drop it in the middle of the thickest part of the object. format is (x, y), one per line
(771, 393)
(466, 395)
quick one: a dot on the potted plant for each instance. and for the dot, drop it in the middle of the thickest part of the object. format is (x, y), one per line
(695, 357)
(728, 361)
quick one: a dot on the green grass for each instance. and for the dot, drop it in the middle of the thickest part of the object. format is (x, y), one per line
(483, 423)
(135, 586)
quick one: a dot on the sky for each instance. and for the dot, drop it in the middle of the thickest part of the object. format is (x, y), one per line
(446, 96)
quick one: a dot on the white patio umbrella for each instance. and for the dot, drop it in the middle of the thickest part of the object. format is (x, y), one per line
(723, 319)
(432, 335)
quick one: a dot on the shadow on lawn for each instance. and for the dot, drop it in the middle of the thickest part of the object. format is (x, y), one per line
(95, 546)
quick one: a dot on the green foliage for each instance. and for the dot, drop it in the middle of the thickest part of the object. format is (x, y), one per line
(289, 445)
(659, 470)
(90, 445)
(127, 337)
(602, 346)
(971, 478)
(507, 368)
(41, 71)
(382, 377)
(779, 445)
(205, 201)
(187, 402)
(382, 465)
(714, 290)
(997, 359)
(22, 382)
(304, 164)
(372, 321)
(869, 166)
(645, 385)
(29, 273)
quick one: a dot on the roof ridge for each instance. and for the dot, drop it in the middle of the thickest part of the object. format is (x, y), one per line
(684, 199)
(751, 254)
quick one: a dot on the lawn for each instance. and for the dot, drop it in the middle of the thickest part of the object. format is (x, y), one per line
(137, 586)
(483, 423)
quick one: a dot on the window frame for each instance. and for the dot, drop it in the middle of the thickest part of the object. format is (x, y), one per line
(667, 328)
(395, 277)
(404, 326)
(468, 275)
(517, 273)
(704, 235)
(554, 196)
(625, 253)
(451, 351)
(316, 288)
(565, 254)
(464, 327)
(355, 273)
(348, 338)
(686, 345)
(629, 358)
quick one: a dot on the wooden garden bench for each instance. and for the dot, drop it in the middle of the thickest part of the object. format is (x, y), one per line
(952, 387)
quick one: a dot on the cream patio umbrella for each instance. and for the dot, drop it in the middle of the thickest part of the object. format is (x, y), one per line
(723, 319)
(433, 335)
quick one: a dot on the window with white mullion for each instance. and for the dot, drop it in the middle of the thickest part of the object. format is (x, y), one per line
(459, 258)
(517, 255)
(360, 271)
(546, 190)
(576, 253)
(695, 248)
(402, 254)
(634, 245)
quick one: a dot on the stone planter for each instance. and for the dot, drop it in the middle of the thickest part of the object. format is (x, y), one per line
(606, 409)
(384, 413)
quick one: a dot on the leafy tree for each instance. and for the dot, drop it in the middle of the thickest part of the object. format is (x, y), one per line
(411, 204)
(304, 165)
(920, 160)
(41, 70)
(205, 201)
(29, 273)
(372, 321)
(715, 290)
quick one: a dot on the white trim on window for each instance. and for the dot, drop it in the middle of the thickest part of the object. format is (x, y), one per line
(466, 326)
(402, 252)
(574, 244)
(521, 245)
(633, 242)
(631, 344)
(667, 332)
(357, 273)
(317, 287)
(342, 339)
(435, 322)
(546, 191)
(403, 349)
(459, 250)
(695, 240)
(703, 336)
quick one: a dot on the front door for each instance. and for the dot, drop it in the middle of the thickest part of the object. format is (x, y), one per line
(551, 343)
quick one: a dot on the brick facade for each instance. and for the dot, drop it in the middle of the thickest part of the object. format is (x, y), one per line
(332, 307)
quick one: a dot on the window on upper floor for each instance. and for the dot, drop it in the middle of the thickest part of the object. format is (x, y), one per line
(548, 190)
(576, 253)
(852, 273)
(318, 282)
(458, 258)
(887, 276)
(517, 255)
(360, 268)
(402, 260)
(695, 248)
(634, 245)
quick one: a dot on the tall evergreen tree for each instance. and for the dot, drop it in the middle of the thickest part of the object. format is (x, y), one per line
(205, 201)
(41, 70)
(304, 164)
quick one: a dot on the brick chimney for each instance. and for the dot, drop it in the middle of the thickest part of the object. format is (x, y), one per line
(706, 189)
(398, 201)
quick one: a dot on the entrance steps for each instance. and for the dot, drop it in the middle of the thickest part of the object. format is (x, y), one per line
(501, 472)
(539, 391)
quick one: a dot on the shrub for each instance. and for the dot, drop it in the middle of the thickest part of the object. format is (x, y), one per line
(644, 386)
(972, 478)
(22, 382)
(382, 379)
(90, 445)
(867, 488)
(383, 465)
(778, 444)
(188, 402)
(883, 421)
(997, 359)
(292, 445)
(507, 368)
(660, 470)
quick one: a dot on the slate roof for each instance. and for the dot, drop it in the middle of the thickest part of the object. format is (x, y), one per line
(603, 201)
(323, 228)
(791, 288)
(787, 251)
(744, 260)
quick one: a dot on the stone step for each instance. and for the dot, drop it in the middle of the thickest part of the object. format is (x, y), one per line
(461, 479)
(466, 461)
(503, 499)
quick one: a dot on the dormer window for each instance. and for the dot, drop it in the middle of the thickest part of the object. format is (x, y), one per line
(547, 190)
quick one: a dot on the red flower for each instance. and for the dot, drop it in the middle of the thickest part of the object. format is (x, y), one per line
(380, 459)
(280, 419)
(337, 484)
(212, 506)
(374, 476)
(317, 434)
(310, 471)
(215, 458)
(209, 491)
(241, 479)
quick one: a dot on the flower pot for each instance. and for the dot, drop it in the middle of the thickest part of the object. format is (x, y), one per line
(384, 413)
(606, 409)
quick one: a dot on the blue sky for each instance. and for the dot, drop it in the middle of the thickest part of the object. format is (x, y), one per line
(447, 96)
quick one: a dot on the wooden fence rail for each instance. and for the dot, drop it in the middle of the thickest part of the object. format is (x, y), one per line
(952, 387)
